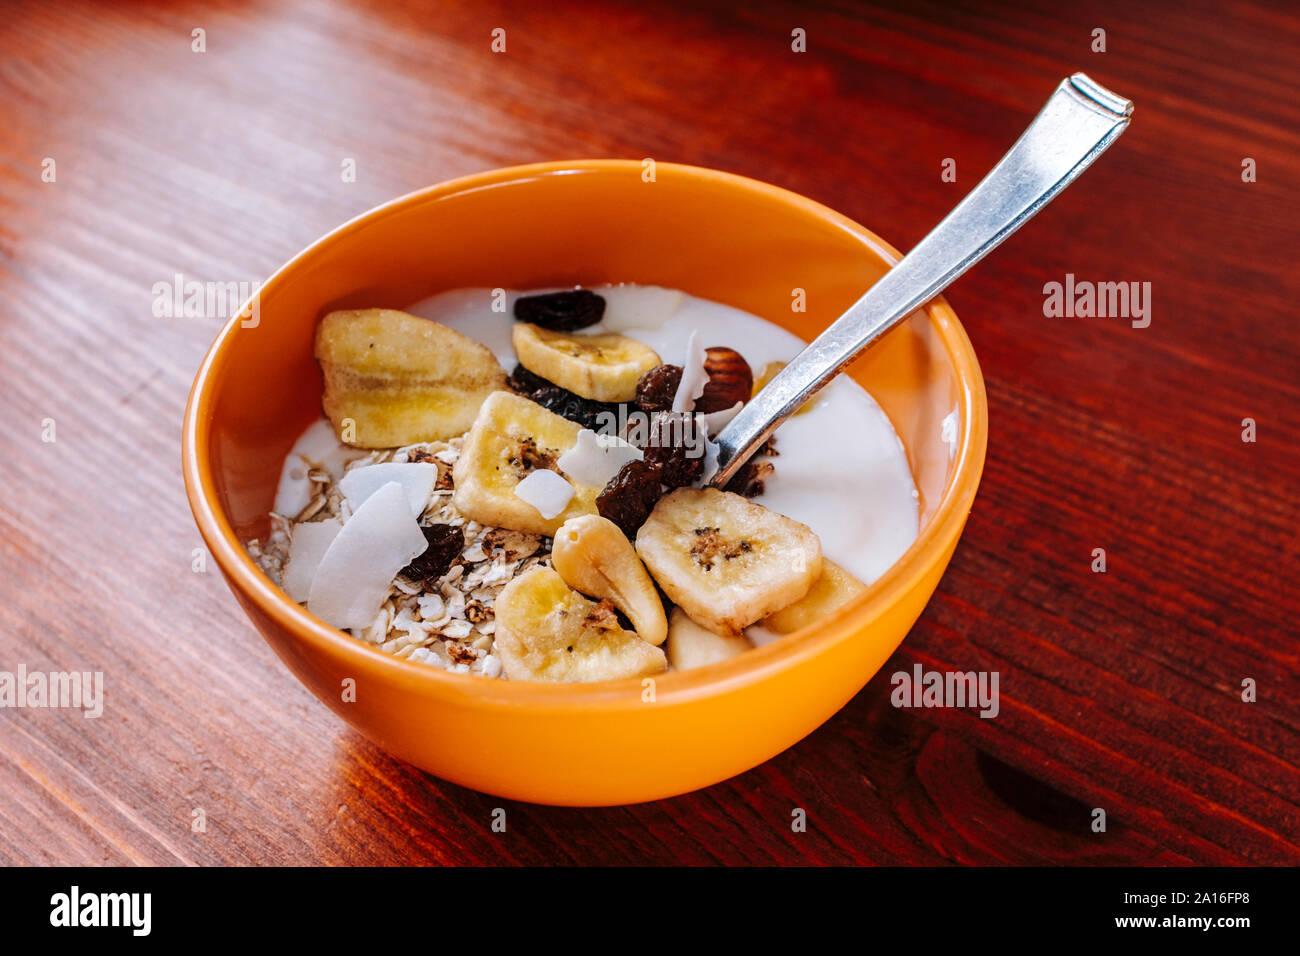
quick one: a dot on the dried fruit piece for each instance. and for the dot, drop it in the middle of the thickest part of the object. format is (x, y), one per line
(512, 437)
(593, 556)
(584, 411)
(656, 389)
(690, 645)
(726, 561)
(445, 545)
(628, 499)
(396, 379)
(603, 367)
(749, 478)
(525, 382)
(561, 311)
(547, 631)
(731, 380)
(832, 589)
(676, 445)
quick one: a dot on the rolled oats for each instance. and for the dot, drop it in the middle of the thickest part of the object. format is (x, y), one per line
(447, 623)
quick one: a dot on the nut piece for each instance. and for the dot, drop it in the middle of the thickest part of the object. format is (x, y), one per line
(731, 380)
(593, 556)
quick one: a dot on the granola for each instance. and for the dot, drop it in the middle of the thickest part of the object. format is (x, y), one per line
(448, 622)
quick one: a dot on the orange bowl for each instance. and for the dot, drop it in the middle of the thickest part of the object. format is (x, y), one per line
(711, 234)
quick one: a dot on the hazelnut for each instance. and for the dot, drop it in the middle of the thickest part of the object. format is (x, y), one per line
(731, 380)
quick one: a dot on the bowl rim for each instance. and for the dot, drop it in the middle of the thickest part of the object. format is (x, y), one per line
(671, 687)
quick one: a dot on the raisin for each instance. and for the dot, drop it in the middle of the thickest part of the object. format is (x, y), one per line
(568, 405)
(445, 546)
(525, 382)
(748, 479)
(676, 445)
(561, 311)
(657, 388)
(630, 495)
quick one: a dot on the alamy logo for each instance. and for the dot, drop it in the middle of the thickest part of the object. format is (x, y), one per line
(181, 299)
(75, 908)
(1104, 300)
(923, 688)
(83, 689)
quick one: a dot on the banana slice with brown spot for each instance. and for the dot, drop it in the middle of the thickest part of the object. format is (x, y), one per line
(602, 367)
(727, 561)
(511, 438)
(396, 379)
(547, 631)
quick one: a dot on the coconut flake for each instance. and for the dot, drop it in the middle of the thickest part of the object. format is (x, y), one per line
(416, 478)
(319, 445)
(595, 459)
(638, 306)
(714, 422)
(694, 378)
(294, 491)
(316, 447)
(357, 571)
(306, 549)
(546, 491)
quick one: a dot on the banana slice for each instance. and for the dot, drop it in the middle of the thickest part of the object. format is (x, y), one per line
(604, 368)
(725, 560)
(690, 645)
(593, 556)
(547, 631)
(835, 587)
(511, 438)
(401, 379)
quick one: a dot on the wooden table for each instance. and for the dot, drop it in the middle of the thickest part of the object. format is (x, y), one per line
(1120, 691)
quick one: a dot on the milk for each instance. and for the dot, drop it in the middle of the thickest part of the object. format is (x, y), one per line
(841, 467)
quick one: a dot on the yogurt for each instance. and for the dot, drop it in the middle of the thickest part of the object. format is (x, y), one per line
(841, 468)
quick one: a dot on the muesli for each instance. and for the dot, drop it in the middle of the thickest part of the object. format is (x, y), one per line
(552, 523)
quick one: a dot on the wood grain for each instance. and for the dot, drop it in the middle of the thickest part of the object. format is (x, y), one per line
(1119, 691)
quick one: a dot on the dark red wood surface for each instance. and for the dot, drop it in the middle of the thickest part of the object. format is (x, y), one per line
(1119, 691)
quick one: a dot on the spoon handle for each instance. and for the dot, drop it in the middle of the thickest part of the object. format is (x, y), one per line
(1079, 121)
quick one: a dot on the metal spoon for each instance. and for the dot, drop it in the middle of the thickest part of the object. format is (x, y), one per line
(1079, 121)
